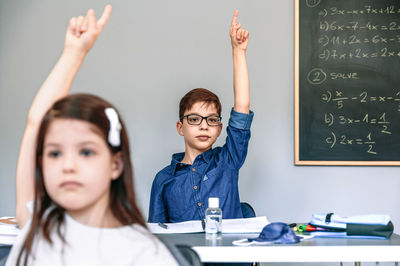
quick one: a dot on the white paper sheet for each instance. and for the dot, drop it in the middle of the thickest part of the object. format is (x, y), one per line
(8, 231)
(229, 226)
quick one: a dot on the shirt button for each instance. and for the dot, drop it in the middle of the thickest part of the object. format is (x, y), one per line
(199, 204)
(180, 164)
(195, 187)
(193, 169)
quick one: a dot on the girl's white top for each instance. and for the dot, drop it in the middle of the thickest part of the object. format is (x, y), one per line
(85, 245)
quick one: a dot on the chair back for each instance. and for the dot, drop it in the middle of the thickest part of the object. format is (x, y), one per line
(183, 254)
(4, 252)
(190, 255)
(247, 210)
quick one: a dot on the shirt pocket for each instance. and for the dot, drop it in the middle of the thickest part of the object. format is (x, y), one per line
(215, 184)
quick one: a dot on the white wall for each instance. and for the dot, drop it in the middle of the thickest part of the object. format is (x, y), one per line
(147, 58)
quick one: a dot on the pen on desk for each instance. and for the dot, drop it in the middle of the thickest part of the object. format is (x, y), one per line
(163, 225)
(306, 228)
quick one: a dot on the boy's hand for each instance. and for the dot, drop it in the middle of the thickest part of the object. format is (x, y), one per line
(82, 32)
(239, 36)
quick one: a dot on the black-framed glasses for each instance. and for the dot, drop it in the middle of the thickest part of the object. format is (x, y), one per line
(212, 120)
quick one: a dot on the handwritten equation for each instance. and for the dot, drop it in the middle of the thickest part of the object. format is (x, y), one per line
(330, 119)
(359, 54)
(339, 98)
(353, 40)
(355, 25)
(365, 10)
(346, 140)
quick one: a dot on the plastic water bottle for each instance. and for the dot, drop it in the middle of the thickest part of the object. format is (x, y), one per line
(213, 219)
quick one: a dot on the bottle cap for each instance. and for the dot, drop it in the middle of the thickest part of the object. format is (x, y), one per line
(213, 202)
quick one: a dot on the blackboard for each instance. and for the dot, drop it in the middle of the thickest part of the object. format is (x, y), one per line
(347, 82)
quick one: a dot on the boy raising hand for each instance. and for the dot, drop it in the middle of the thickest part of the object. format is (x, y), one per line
(181, 190)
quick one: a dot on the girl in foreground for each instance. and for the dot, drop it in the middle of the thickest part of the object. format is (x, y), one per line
(75, 199)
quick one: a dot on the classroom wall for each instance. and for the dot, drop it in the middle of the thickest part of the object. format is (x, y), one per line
(149, 55)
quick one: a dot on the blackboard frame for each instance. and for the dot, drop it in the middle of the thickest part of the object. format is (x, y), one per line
(297, 89)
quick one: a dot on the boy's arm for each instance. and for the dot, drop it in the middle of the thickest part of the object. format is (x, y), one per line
(157, 210)
(81, 34)
(238, 133)
(239, 41)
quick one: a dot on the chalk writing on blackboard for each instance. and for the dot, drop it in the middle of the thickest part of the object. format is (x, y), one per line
(347, 82)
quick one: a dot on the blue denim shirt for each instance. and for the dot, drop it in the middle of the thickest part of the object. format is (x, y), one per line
(180, 191)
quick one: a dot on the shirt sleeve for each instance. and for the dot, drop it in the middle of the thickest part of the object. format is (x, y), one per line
(241, 120)
(157, 210)
(237, 140)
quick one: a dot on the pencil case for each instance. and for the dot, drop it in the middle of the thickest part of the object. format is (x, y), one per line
(362, 225)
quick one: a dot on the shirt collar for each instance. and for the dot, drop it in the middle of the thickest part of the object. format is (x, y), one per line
(178, 157)
(176, 160)
(206, 155)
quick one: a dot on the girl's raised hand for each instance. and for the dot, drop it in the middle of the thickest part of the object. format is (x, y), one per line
(82, 32)
(239, 36)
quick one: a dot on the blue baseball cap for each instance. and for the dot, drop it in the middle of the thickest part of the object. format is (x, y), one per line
(277, 233)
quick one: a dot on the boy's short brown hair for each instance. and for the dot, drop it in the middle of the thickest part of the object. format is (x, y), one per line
(198, 95)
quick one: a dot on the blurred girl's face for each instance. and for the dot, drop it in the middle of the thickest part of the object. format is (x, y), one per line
(78, 167)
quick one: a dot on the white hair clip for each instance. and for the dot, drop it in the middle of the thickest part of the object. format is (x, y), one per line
(114, 136)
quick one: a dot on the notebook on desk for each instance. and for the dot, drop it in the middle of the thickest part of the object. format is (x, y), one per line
(229, 226)
(8, 230)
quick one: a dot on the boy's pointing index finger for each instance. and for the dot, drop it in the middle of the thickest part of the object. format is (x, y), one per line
(234, 18)
(104, 17)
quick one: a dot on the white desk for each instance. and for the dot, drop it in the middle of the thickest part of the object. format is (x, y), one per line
(312, 250)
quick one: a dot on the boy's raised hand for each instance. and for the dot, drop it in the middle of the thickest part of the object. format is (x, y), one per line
(239, 36)
(82, 32)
